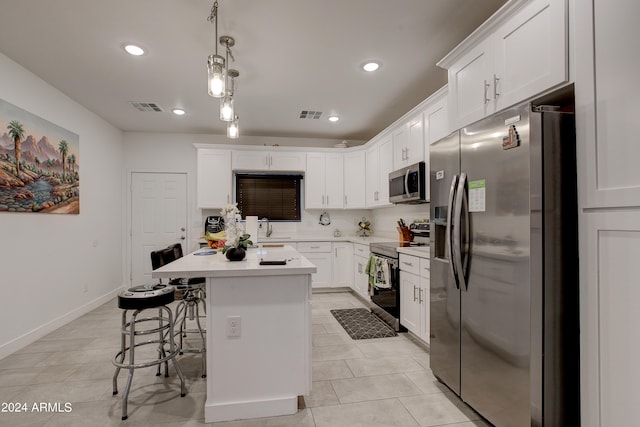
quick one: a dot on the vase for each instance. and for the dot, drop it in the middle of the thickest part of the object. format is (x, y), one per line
(235, 254)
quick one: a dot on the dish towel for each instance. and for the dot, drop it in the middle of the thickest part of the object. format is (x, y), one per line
(378, 271)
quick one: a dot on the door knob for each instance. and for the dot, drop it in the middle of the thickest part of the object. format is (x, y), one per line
(182, 237)
(182, 229)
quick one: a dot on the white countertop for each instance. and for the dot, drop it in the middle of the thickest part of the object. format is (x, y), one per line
(202, 263)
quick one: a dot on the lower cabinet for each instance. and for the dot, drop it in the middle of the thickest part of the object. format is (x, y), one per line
(414, 295)
(342, 264)
(334, 262)
(360, 277)
(320, 254)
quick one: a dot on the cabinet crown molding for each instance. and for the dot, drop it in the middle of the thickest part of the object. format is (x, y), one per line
(483, 32)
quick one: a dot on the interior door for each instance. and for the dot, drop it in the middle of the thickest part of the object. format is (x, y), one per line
(158, 218)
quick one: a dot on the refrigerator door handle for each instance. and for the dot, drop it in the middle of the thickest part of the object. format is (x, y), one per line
(460, 209)
(448, 234)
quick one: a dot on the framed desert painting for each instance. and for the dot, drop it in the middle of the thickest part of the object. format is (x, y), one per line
(39, 164)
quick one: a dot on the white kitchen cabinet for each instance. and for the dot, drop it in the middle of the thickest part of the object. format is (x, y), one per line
(354, 180)
(436, 120)
(606, 93)
(360, 277)
(213, 178)
(324, 181)
(519, 52)
(379, 163)
(424, 300)
(408, 142)
(607, 108)
(414, 295)
(258, 160)
(342, 264)
(319, 254)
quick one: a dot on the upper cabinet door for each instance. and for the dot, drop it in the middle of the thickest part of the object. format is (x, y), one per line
(607, 66)
(334, 180)
(287, 161)
(471, 85)
(250, 160)
(371, 173)
(415, 139)
(385, 167)
(213, 182)
(315, 196)
(354, 180)
(530, 52)
(400, 137)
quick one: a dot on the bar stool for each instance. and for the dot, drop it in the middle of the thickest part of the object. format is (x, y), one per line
(139, 299)
(190, 292)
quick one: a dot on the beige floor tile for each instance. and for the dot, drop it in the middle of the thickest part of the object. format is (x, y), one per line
(320, 340)
(336, 352)
(379, 413)
(426, 382)
(360, 389)
(384, 365)
(394, 346)
(25, 419)
(330, 370)
(317, 329)
(322, 394)
(423, 360)
(437, 409)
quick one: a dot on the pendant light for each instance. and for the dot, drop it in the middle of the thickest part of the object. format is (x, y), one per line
(215, 62)
(226, 105)
(232, 129)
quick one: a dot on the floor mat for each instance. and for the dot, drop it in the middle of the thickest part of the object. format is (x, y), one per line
(360, 323)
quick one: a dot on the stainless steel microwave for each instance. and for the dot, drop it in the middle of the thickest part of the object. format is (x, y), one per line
(408, 185)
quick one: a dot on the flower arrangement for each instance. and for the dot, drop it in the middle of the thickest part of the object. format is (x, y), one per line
(235, 238)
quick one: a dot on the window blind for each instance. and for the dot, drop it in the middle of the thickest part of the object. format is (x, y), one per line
(276, 197)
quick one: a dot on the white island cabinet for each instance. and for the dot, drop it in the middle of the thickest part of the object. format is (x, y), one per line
(261, 371)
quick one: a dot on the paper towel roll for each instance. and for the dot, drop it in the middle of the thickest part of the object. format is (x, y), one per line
(251, 228)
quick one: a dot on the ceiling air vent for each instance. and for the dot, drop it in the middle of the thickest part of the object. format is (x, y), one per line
(309, 114)
(147, 106)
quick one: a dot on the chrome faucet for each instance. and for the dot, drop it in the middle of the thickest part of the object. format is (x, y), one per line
(269, 229)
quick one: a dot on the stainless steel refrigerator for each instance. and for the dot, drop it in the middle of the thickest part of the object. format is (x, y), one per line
(504, 267)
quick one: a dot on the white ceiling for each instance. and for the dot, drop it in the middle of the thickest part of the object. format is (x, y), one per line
(292, 55)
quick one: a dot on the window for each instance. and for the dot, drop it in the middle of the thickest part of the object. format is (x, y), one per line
(276, 197)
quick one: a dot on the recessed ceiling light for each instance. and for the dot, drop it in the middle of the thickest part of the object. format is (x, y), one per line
(178, 111)
(371, 66)
(132, 49)
(333, 118)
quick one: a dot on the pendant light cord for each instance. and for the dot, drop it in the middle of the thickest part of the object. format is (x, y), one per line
(213, 17)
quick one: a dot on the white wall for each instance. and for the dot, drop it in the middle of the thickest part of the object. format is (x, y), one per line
(56, 267)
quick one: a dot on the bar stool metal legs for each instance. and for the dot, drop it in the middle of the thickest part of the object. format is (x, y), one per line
(189, 308)
(133, 328)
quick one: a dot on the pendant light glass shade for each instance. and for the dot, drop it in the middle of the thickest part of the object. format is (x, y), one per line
(232, 129)
(217, 76)
(226, 108)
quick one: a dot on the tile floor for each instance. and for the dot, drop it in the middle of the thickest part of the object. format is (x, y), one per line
(382, 382)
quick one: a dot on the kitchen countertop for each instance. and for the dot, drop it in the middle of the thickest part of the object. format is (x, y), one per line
(202, 264)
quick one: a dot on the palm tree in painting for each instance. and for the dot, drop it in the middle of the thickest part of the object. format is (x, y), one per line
(63, 148)
(49, 164)
(17, 132)
(72, 162)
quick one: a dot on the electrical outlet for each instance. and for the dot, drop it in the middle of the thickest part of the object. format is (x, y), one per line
(233, 326)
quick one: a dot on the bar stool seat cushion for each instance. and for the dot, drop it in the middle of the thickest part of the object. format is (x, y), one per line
(146, 296)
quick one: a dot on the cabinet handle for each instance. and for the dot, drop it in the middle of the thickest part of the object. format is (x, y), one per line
(314, 247)
(496, 79)
(407, 263)
(327, 200)
(345, 200)
(323, 199)
(486, 87)
(414, 293)
(420, 293)
(227, 198)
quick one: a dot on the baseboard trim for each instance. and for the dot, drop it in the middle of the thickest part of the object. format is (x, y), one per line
(229, 411)
(39, 332)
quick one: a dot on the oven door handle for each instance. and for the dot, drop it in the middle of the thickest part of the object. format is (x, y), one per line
(448, 233)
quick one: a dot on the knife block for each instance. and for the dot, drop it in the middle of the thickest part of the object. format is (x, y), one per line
(404, 234)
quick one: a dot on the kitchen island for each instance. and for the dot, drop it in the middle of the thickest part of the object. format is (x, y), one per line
(260, 364)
